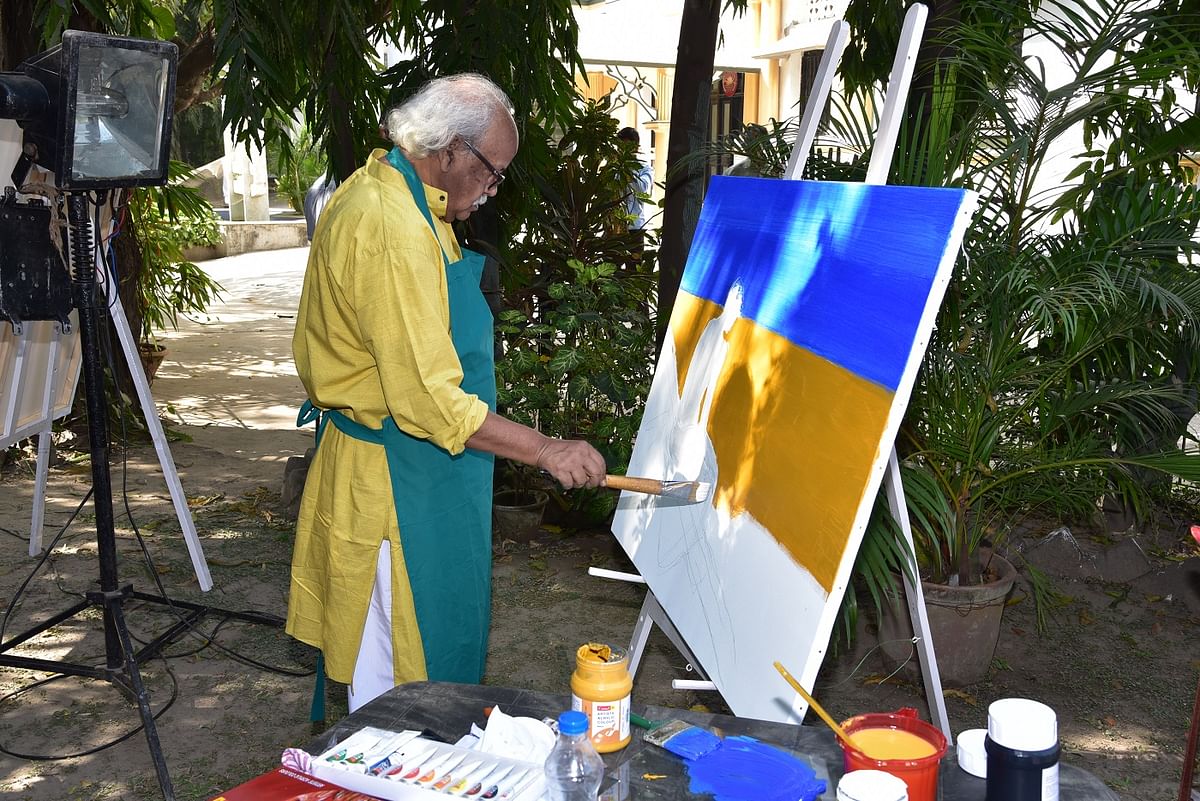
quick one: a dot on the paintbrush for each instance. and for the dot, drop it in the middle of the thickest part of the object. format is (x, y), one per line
(688, 491)
(812, 702)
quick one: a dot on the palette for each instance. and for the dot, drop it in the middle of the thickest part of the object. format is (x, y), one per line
(399, 766)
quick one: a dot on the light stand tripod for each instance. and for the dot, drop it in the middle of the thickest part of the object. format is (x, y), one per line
(96, 112)
(121, 661)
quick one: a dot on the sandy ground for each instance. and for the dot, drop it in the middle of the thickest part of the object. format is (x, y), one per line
(1119, 663)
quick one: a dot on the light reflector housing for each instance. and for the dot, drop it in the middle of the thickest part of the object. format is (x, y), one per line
(109, 121)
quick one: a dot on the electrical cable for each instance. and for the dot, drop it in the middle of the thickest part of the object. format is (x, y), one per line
(103, 746)
(12, 603)
(12, 533)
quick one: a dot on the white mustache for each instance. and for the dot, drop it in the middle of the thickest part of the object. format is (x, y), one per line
(480, 200)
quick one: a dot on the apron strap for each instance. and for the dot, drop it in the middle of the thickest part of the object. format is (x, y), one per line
(310, 413)
(417, 188)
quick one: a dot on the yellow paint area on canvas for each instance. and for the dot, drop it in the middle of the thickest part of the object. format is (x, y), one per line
(795, 437)
(689, 318)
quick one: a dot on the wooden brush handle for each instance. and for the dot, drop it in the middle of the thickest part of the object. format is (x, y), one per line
(650, 486)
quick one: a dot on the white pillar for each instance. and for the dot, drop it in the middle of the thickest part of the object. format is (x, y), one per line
(245, 180)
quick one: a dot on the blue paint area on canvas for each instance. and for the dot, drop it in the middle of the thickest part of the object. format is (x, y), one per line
(744, 769)
(842, 269)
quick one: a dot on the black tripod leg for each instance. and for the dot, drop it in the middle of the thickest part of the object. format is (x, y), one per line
(118, 645)
(117, 615)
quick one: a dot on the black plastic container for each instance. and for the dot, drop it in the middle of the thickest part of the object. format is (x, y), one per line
(1014, 775)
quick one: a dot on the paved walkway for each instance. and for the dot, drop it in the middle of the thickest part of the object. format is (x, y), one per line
(228, 380)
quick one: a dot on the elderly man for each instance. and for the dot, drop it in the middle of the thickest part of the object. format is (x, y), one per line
(391, 574)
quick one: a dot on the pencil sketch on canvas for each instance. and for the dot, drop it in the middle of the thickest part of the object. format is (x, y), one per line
(794, 342)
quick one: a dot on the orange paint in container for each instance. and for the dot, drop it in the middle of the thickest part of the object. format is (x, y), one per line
(898, 743)
(600, 688)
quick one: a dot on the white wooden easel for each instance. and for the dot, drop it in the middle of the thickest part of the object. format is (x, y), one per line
(652, 612)
(39, 366)
(154, 425)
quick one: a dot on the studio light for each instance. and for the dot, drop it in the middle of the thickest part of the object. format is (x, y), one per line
(96, 110)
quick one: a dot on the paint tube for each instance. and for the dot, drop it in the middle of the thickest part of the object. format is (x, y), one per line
(354, 745)
(488, 783)
(411, 763)
(465, 780)
(408, 760)
(502, 789)
(378, 759)
(448, 777)
(521, 784)
(394, 762)
(419, 771)
(449, 763)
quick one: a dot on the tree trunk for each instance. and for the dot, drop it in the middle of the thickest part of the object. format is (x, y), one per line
(18, 36)
(934, 54)
(689, 128)
(196, 60)
(341, 130)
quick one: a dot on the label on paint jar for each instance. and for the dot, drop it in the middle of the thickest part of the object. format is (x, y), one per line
(1050, 783)
(608, 721)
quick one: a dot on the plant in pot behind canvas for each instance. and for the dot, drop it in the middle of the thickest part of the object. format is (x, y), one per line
(1062, 368)
(578, 335)
(168, 220)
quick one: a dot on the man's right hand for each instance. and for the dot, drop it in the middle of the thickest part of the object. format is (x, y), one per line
(573, 463)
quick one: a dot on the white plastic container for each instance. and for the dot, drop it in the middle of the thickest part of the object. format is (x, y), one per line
(971, 753)
(871, 785)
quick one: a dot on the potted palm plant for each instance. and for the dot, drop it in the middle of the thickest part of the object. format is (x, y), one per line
(166, 221)
(1063, 366)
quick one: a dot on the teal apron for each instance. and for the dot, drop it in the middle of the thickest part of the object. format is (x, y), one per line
(443, 502)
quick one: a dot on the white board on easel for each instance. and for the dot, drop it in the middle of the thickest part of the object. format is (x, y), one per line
(39, 372)
(794, 344)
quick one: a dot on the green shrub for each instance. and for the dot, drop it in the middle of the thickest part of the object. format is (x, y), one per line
(579, 366)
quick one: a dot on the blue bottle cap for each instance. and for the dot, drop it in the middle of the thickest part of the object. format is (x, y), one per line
(572, 723)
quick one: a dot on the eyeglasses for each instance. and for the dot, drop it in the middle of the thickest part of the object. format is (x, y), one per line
(497, 175)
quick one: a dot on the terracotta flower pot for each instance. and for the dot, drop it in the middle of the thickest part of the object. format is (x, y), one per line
(517, 513)
(964, 623)
(152, 358)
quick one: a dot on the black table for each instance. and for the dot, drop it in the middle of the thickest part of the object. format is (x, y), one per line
(448, 710)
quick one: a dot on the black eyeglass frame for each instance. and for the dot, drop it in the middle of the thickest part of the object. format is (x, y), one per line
(497, 176)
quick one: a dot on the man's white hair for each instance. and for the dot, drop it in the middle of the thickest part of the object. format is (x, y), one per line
(464, 105)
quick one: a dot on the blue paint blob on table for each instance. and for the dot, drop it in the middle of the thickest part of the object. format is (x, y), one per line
(744, 769)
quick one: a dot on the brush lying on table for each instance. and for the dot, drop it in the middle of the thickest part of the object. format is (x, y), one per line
(689, 491)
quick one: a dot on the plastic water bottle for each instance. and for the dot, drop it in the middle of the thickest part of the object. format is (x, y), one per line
(574, 769)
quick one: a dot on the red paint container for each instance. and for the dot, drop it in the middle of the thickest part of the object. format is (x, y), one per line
(920, 774)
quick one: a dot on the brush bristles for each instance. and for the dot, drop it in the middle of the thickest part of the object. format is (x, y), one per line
(700, 492)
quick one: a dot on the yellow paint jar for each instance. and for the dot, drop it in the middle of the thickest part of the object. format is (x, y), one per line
(600, 688)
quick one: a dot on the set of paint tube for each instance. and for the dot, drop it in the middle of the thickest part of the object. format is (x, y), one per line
(404, 765)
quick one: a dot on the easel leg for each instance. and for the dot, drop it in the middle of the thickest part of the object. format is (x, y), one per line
(154, 426)
(38, 517)
(652, 613)
(641, 633)
(916, 603)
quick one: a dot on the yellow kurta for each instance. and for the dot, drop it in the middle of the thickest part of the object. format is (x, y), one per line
(372, 339)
